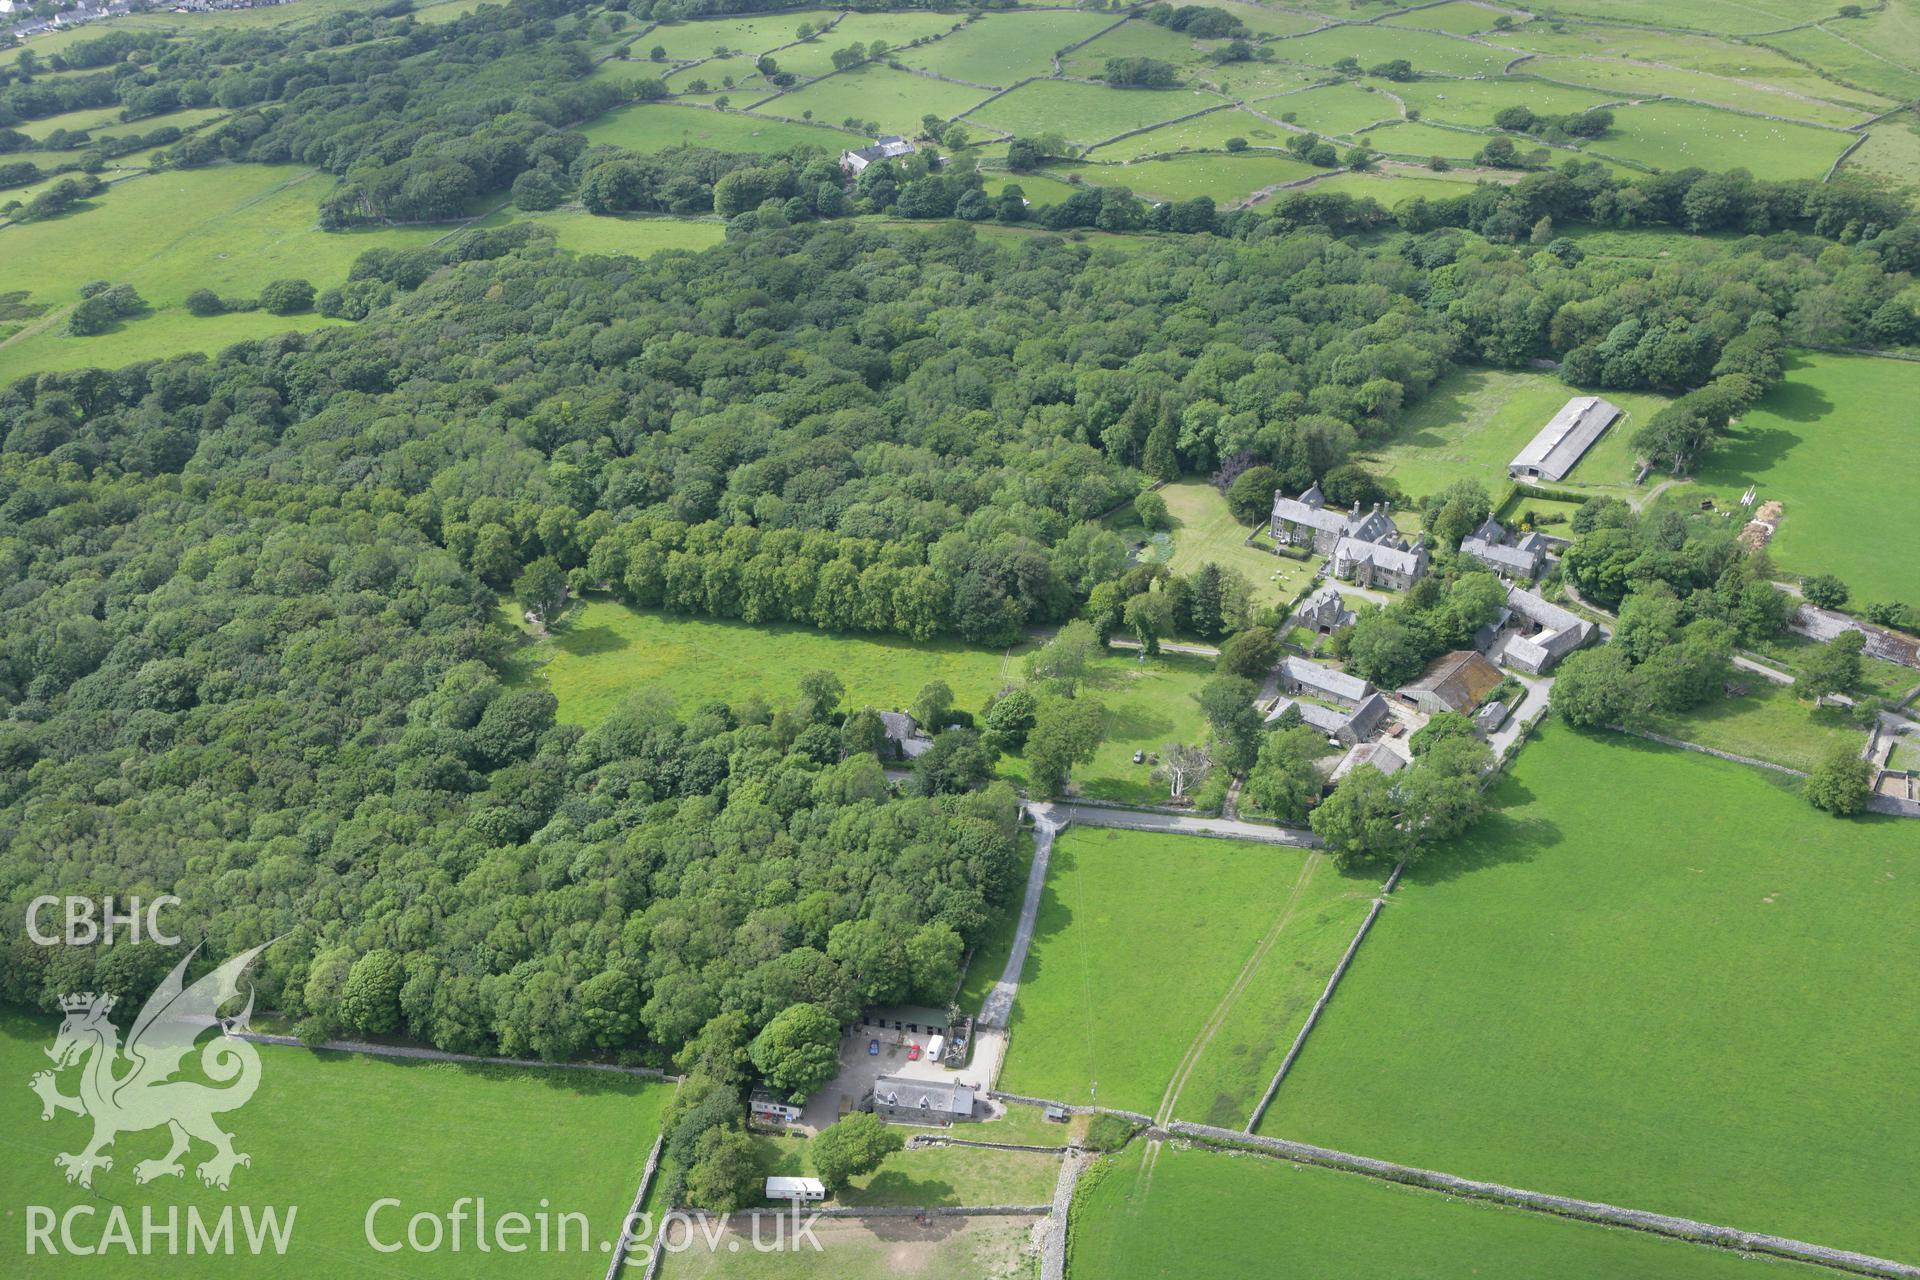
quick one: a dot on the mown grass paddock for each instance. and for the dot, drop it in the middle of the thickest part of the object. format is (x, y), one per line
(1139, 938)
(1828, 442)
(1473, 422)
(1185, 1211)
(1650, 978)
(605, 651)
(329, 1134)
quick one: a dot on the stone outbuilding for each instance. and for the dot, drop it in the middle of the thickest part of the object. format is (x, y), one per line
(1456, 681)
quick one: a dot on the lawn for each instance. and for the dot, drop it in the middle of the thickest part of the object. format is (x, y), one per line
(1826, 443)
(1204, 530)
(976, 1248)
(1677, 135)
(1767, 723)
(1087, 113)
(1682, 990)
(329, 1134)
(1194, 1212)
(1140, 936)
(894, 100)
(928, 1176)
(1475, 420)
(1004, 47)
(1148, 703)
(656, 126)
(605, 651)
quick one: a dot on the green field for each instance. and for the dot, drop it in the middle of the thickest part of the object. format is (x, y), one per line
(1148, 703)
(1334, 108)
(1227, 179)
(655, 126)
(1390, 184)
(1476, 102)
(1203, 133)
(1457, 16)
(1446, 55)
(1681, 989)
(1087, 113)
(698, 39)
(1182, 1212)
(604, 651)
(1475, 420)
(1891, 152)
(1646, 80)
(1822, 442)
(1850, 51)
(1768, 722)
(1417, 139)
(329, 1134)
(894, 100)
(230, 228)
(1676, 135)
(1140, 937)
(1132, 39)
(636, 236)
(1004, 47)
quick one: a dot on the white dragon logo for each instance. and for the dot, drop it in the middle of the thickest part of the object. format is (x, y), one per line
(146, 1096)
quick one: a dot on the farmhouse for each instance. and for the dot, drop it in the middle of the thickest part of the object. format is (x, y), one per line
(890, 147)
(901, 1100)
(906, 740)
(1325, 611)
(1547, 633)
(1560, 444)
(1455, 681)
(1493, 546)
(1298, 676)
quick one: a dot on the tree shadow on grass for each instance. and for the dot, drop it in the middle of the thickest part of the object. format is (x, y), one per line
(892, 1187)
(1450, 404)
(587, 641)
(1503, 837)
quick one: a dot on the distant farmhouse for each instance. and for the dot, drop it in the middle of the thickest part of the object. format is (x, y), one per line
(890, 147)
(1560, 444)
(1547, 633)
(1519, 558)
(1325, 612)
(902, 1100)
(1455, 681)
(1364, 548)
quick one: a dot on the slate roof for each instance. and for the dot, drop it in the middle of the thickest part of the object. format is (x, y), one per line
(1562, 631)
(905, 732)
(937, 1097)
(1315, 676)
(1349, 551)
(1312, 714)
(1569, 434)
(1378, 754)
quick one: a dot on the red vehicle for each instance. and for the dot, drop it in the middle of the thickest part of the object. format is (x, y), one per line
(913, 1053)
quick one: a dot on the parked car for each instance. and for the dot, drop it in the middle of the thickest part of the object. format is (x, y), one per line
(873, 1048)
(1138, 756)
(913, 1053)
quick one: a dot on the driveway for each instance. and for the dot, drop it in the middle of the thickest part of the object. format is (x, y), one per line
(998, 1006)
(1091, 815)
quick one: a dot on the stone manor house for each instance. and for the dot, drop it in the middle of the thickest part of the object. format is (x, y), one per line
(1364, 548)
